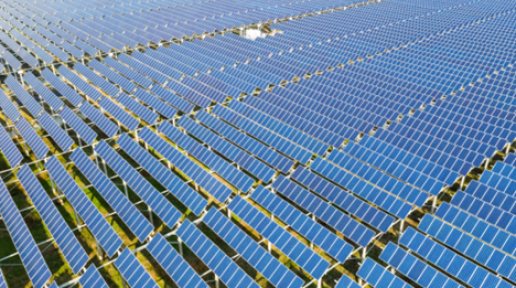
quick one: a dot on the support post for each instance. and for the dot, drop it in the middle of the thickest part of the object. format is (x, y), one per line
(99, 250)
(150, 215)
(180, 243)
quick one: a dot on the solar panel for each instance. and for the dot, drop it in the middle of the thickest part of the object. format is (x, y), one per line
(155, 103)
(128, 72)
(237, 178)
(76, 123)
(450, 261)
(143, 69)
(272, 139)
(62, 88)
(346, 282)
(100, 82)
(175, 266)
(123, 82)
(268, 155)
(169, 180)
(172, 98)
(92, 279)
(218, 190)
(43, 92)
(246, 161)
(317, 234)
(138, 109)
(32, 138)
(99, 119)
(27, 248)
(346, 200)
(80, 84)
(374, 274)
(133, 271)
(416, 269)
(138, 224)
(154, 199)
(302, 255)
(119, 114)
(63, 235)
(57, 133)
(105, 235)
(28, 101)
(213, 257)
(2, 280)
(275, 272)
(9, 108)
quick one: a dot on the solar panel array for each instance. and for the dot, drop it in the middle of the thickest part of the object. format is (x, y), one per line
(258, 143)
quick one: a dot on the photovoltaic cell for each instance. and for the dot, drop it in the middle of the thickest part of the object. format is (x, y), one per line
(29, 252)
(230, 273)
(218, 190)
(156, 201)
(138, 224)
(28, 101)
(98, 225)
(78, 125)
(133, 272)
(160, 172)
(57, 133)
(92, 279)
(99, 119)
(63, 235)
(33, 140)
(175, 266)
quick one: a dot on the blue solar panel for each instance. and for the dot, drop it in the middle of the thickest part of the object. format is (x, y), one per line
(156, 201)
(124, 208)
(375, 274)
(119, 113)
(43, 92)
(78, 125)
(99, 119)
(450, 261)
(175, 266)
(133, 271)
(213, 257)
(123, 82)
(276, 141)
(2, 280)
(33, 140)
(57, 133)
(92, 279)
(169, 180)
(240, 157)
(416, 269)
(105, 235)
(172, 99)
(155, 103)
(100, 82)
(80, 84)
(143, 69)
(28, 101)
(268, 155)
(362, 188)
(237, 178)
(302, 255)
(138, 109)
(63, 235)
(313, 231)
(351, 228)
(62, 88)
(128, 72)
(346, 282)
(209, 183)
(9, 108)
(277, 274)
(29, 252)
(345, 200)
